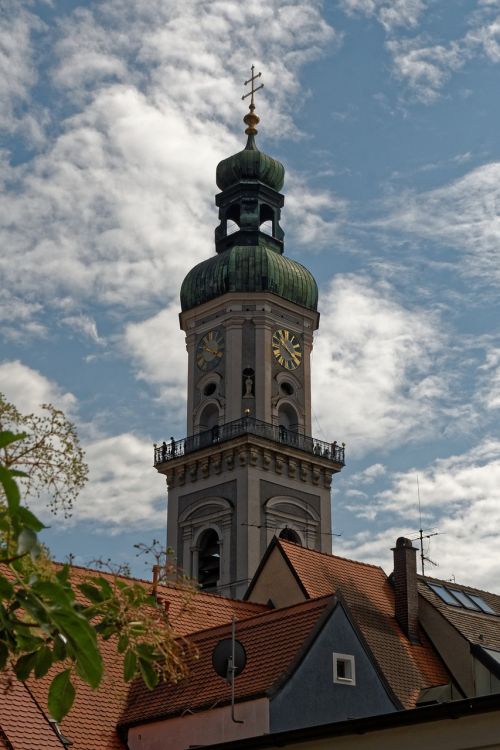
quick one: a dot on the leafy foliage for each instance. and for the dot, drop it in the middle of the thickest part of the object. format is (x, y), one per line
(50, 456)
(49, 625)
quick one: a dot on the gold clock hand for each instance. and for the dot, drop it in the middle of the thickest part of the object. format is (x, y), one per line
(285, 346)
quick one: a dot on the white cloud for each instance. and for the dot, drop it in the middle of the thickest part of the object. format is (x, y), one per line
(28, 389)
(158, 352)
(460, 497)
(83, 324)
(124, 491)
(372, 472)
(315, 217)
(373, 360)
(462, 214)
(17, 69)
(390, 13)
(425, 67)
(489, 391)
(117, 207)
(486, 36)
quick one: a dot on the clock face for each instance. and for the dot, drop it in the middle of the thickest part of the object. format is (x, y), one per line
(287, 348)
(210, 350)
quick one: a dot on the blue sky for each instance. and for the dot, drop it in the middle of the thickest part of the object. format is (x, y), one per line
(113, 116)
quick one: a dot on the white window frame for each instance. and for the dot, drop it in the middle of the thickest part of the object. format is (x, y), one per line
(346, 659)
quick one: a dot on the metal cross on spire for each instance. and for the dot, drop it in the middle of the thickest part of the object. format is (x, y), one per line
(252, 91)
(251, 119)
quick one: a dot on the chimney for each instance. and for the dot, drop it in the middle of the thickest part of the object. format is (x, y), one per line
(404, 579)
(156, 578)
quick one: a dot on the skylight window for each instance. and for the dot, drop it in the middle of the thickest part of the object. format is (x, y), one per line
(444, 594)
(464, 599)
(482, 604)
(458, 598)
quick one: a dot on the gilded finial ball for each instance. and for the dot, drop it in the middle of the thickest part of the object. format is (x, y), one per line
(251, 119)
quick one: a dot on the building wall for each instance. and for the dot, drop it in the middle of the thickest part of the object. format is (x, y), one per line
(451, 646)
(277, 582)
(478, 732)
(311, 697)
(204, 728)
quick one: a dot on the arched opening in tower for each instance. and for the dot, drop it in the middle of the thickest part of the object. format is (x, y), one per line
(233, 219)
(266, 219)
(208, 559)
(290, 535)
(209, 417)
(288, 419)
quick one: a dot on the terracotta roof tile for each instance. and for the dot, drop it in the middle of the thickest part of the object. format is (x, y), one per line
(407, 667)
(272, 642)
(476, 627)
(23, 724)
(91, 724)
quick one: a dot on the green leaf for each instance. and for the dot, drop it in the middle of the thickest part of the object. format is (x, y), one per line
(106, 587)
(92, 593)
(11, 491)
(60, 651)
(123, 642)
(149, 675)
(82, 640)
(146, 651)
(26, 541)
(6, 588)
(52, 593)
(7, 437)
(4, 655)
(33, 606)
(61, 695)
(129, 666)
(62, 575)
(27, 518)
(24, 666)
(43, 662)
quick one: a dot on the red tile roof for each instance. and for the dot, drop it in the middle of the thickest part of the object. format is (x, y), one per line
(91, 723)
(23, 723)
(272, 640)
(369, 595)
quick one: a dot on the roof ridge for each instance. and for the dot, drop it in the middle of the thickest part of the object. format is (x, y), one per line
(330, 555)
(278, 611)
(170, 587)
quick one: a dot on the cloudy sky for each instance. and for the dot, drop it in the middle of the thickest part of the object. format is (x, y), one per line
(386, 114)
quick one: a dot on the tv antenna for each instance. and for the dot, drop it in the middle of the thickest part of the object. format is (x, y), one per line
(421, 536)
(229, 659)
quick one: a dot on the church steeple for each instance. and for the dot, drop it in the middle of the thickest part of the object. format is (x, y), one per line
(248, 467)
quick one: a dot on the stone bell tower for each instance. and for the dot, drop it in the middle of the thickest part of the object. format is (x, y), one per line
(248, 468)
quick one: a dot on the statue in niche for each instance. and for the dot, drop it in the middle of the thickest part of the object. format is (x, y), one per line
(248, 383)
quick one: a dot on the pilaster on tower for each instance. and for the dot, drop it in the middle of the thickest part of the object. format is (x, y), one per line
(248, 468)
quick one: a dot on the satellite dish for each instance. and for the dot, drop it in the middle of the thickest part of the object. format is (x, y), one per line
(222, 658)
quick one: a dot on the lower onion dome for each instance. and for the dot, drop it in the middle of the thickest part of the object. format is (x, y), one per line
(254, 268)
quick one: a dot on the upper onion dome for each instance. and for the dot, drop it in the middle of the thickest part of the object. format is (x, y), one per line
(250, 164)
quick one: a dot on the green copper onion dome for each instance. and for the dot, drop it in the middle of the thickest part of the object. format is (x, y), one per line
(249, 269)
(250, 164)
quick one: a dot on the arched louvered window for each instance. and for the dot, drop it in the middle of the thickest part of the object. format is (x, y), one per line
(208, 559)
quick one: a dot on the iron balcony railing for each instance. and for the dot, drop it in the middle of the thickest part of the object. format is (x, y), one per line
(249, 426)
